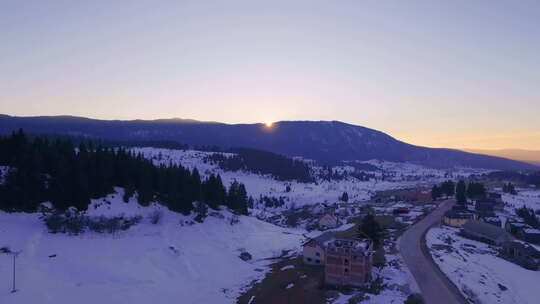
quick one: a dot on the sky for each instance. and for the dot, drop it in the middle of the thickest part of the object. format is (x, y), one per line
(435, 73)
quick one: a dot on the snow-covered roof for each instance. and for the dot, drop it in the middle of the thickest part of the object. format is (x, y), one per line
(350, 245)
(519, 224)
(487, 230)
(323, 239)
(458, 214)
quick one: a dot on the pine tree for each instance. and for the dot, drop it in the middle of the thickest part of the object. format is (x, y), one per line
(461, 192)
(448, 188)
(436, 192)
(43, 170)
(370, 228)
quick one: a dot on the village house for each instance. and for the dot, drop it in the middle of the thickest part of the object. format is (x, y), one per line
(522, 254)
(317, 209)
(400, 210)
(348, 262)
(530, 235)
(314, 249)
(415, 196)
(515, 226)
(328, 221)
(455, 218)
(487, 233)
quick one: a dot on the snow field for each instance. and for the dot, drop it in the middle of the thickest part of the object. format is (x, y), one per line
(174, 259)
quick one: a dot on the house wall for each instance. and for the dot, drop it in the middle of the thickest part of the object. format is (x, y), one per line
(313, 254)
(455, 222)
(345, 270)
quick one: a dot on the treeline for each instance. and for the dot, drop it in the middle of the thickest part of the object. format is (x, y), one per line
(509, 188)
(263, 162)
(77, 140)
(328, 173)
(447, 188)
(271, 202)
(461, 190)
(529, 178)
(58, 171)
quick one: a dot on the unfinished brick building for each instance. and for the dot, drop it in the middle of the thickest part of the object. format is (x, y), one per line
(348, 262)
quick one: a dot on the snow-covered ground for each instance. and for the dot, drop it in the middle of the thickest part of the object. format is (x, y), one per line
(525, 197)
(175, 260)
(476, 270)
(179, 258)
(301, 194)
(404, 171)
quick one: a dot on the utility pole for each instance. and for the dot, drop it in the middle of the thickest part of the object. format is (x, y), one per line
(15, 254)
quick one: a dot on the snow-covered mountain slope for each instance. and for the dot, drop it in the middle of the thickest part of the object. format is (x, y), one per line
(408, 171)
(326, 141)
(174, 261)
(322, 191)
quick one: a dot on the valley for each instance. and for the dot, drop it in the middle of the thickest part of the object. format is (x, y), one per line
(223, 257)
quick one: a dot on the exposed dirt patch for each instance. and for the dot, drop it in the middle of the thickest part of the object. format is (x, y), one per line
(298, 284)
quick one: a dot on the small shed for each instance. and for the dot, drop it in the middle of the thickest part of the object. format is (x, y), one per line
(530, 235)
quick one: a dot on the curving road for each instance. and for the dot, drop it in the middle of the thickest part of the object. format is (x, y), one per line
(434, 285)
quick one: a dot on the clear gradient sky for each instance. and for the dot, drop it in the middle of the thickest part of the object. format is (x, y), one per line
(454, 73)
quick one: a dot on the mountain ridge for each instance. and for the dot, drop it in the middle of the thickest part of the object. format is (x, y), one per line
(324, 141)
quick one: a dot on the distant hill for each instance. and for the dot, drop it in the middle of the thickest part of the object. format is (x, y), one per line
(324, 141)
(529, 156)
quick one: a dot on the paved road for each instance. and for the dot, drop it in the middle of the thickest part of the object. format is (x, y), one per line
(435, 287)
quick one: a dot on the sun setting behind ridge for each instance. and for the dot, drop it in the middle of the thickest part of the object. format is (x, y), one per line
(308, 152)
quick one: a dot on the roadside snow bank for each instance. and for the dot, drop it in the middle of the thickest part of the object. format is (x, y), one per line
(480, 275)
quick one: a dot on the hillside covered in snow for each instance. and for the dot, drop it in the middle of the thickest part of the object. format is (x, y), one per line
(149, 263)
(387, 176)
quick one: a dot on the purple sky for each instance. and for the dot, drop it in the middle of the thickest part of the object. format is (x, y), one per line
(436, 73)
